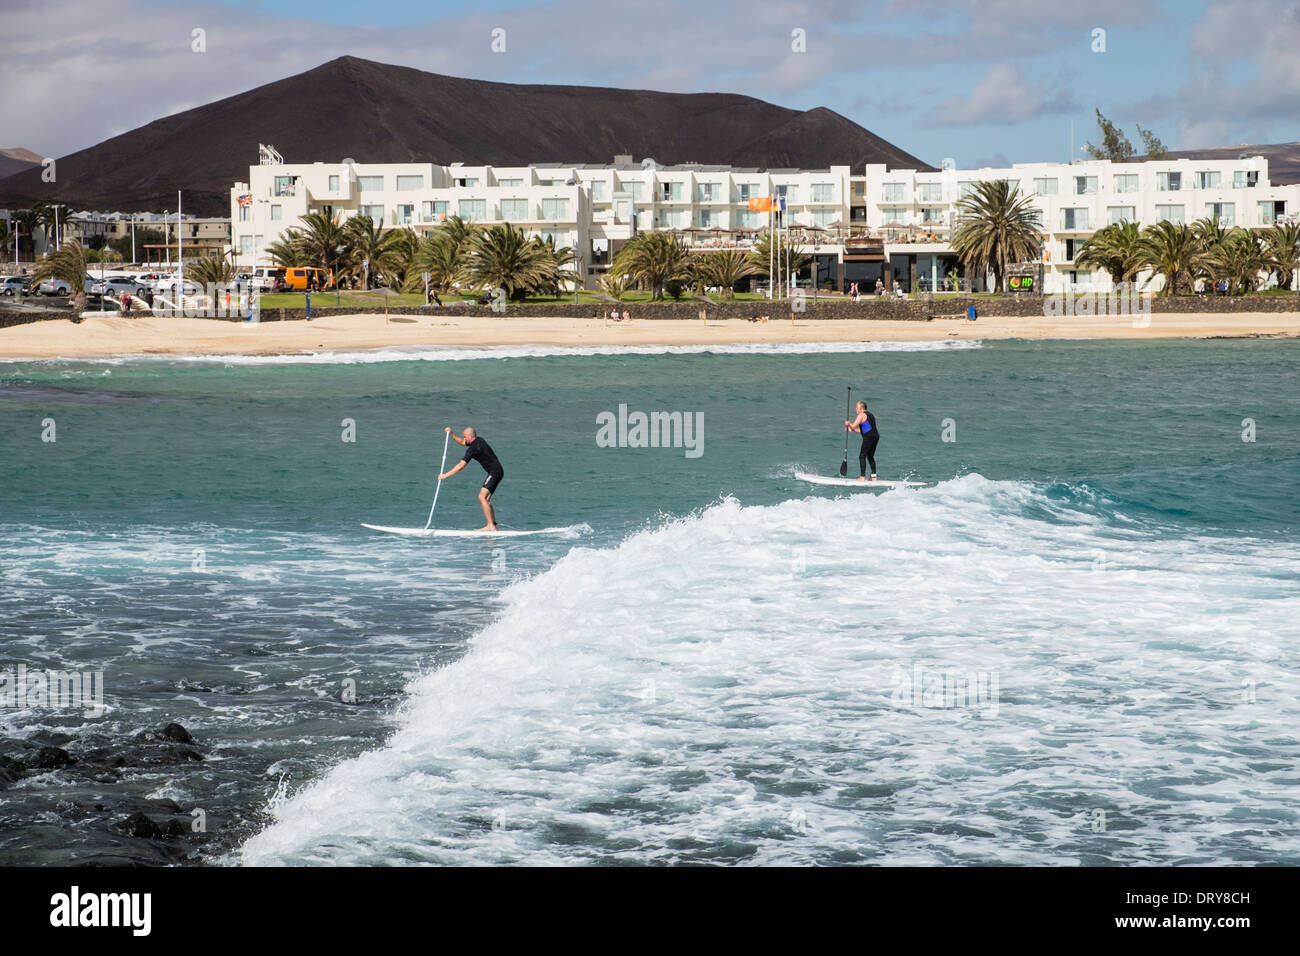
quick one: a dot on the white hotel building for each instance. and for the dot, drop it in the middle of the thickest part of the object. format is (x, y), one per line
(859, 225)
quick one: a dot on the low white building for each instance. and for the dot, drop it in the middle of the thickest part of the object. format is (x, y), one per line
(888, 224)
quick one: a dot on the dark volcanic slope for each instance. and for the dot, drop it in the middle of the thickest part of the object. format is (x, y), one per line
(377, 113)
(1283, 159)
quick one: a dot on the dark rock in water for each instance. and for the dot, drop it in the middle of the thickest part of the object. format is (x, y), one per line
(171, 806)
(177, 733)
(174, 829)
(138, 825)
(185, 753)
(51, 758)
(13, 766)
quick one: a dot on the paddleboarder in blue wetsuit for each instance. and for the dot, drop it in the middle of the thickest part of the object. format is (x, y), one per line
(865, 424)
(476, 449)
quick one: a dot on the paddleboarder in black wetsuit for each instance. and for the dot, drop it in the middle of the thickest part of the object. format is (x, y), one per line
(865, 423)
(478, 450)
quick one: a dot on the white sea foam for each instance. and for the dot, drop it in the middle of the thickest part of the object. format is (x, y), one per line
(736, 687)
(451, 353)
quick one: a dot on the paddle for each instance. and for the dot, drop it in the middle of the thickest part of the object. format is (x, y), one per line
(844, 465)
(445, 442)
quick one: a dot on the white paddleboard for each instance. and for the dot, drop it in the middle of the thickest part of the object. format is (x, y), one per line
(456, 533)
(839, 482)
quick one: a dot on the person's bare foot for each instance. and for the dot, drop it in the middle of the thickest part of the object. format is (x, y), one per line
(488, 527)
(861, 478)
(873, 477)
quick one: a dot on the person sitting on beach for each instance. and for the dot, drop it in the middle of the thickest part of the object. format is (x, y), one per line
(627, 316)
(613, 315)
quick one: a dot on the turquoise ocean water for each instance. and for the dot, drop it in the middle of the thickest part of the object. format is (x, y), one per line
(722, 664)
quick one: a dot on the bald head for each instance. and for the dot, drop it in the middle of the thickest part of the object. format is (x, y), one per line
(470, 434)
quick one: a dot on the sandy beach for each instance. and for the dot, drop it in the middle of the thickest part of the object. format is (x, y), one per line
(115, 336)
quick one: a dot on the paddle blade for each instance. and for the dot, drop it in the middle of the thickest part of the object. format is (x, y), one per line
(844, 467)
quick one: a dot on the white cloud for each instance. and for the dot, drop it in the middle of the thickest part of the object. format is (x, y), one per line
(1002, 98)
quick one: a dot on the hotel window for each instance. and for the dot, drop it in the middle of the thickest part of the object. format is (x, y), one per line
(1245, 179)
(405, 213)
(243, 213)
(407, 183)
(859, 190)
(968, 188)
(707, 192)
(823, 192)
(1172, 214)
(373, 184)
(893, 215)
(277, 213)
(374, 213)
(634, 187)
(893, 192)
(931, 192)
(1221, 212)
(555, 209)
(514, 210)
(669, 219)
(245, 245)
(1208, 180)
(707, 219)
(470, 182)
(747, 219)
(510, 183)
(823, 217)
(1128, 183)
(788, 192)
(472, 210)
(334, 184)
(1169, 182)
(1074, 219)
(1122, 214)
(436, 209)
(558, 239)
(1269, 211)
(1072, 247)
(1085, 185)
(598, 191)
(746, 191)
(283, 186)
(670, 192)
(932, 214)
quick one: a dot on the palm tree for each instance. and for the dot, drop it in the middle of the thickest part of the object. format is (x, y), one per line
(789, 260)
(211, 271)
(1171, 250)
(561, 264)
(323, 243)
(614, 285)
(403, 247)
(503, 257)
(1114, 250)
(66, 265)
(287, 251)
(27, 220)
(1239, 257)
(439, 256)
(998, 225)
(725, 269)
(1283, 244)
(365, 241)
(653, 259)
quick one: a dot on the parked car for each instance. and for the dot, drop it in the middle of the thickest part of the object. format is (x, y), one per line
(117, 285)
(172, 283)
(61, 287)
(15, 285)
(268, 278)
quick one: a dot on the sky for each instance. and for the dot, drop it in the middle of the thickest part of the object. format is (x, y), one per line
(983, 82)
